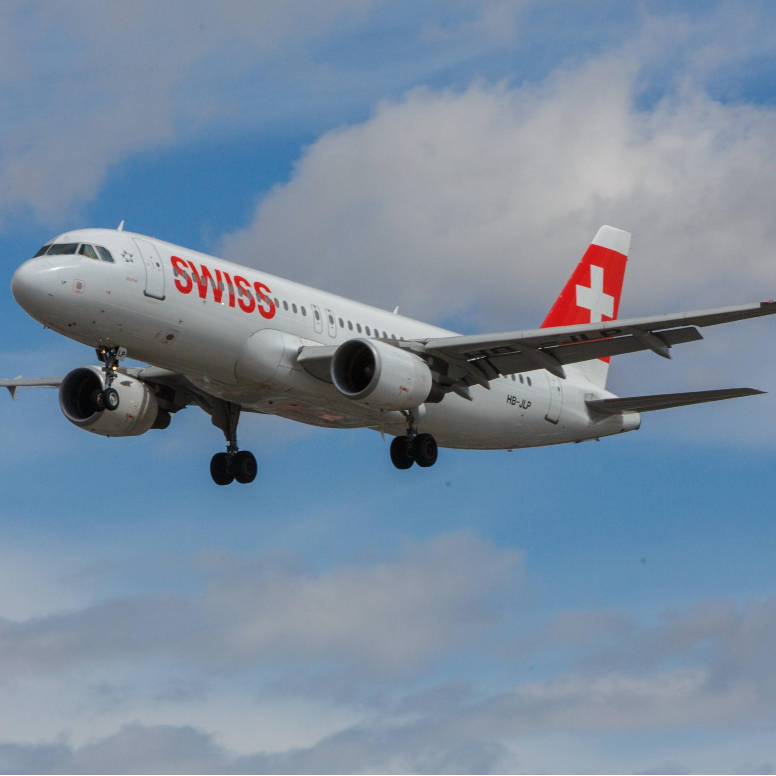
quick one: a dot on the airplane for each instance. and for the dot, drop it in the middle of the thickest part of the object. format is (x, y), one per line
(231, 339)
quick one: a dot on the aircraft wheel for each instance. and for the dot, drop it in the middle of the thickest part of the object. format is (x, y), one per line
(425, 449)
(221, 469)
(110, 399)
(244, 467)
(97, 400)
(401, 454)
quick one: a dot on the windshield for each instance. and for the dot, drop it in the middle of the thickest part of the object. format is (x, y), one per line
(63, 249)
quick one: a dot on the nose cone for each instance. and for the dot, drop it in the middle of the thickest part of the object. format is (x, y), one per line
(33, 283)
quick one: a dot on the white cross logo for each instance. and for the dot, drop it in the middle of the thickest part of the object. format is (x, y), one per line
(594, 298)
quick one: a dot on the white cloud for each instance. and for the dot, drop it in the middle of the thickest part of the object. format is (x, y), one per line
(484, 199)
(87, 85)
(389, 617)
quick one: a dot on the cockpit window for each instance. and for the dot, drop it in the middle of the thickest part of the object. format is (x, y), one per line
(42, 250)
(87, 250)
(62, 249)
(104, 253)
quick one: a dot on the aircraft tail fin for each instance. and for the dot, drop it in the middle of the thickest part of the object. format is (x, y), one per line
(593, 292)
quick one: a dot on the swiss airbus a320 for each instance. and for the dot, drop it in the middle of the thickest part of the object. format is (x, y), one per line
(231, 339)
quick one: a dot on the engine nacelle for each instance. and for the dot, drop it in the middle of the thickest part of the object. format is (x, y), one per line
(382, 376)
(138, 410)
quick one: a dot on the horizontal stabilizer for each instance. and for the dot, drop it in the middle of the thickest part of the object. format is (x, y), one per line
(664, 401)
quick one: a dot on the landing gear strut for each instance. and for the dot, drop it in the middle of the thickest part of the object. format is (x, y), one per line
(234, 464)
(413, 448)
(108, 397)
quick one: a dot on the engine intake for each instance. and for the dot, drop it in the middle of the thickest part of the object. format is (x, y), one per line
(138, 409)
(382, 376)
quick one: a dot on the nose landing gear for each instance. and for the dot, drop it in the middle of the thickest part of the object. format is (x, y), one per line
(413, 448)
(234, 464)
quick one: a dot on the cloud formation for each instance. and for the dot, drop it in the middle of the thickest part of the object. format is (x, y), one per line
(388, 617)
(483, 199)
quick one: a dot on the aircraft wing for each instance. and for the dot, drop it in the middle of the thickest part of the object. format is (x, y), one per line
(30, 382)
(664, 401)
(185, 391)
(484, 356)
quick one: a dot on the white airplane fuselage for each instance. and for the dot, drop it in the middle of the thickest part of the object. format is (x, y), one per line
(237, 337)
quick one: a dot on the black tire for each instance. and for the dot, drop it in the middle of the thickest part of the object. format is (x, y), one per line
(426, 450)
(221, 469)
(245, 467)
(401, 455)
(110, 399)
(97, 400)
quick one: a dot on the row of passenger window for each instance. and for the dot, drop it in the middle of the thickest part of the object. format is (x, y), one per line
(351, 327)
(96, 252)
(366, 329)
(293, 308)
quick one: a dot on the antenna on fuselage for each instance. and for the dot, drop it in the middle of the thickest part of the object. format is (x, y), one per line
(121, 226)
(396, 309)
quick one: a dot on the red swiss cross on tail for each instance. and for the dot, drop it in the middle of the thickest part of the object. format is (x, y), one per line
(593, 292)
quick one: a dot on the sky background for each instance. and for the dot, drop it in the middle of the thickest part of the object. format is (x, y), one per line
(605, 607)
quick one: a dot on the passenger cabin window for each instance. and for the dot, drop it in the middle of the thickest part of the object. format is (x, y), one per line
(385, 336)
(528, 379)
(63, 249)
(304, 310)
(350, 325)
(42, 250)
(368, 331)
(104, 253)
(293, 307)
(317, 316)
(342, 323)
(358, 326)
(285, 305)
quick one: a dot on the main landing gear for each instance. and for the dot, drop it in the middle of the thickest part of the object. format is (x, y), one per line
(108, 398)
(413, 448)
(234, 464)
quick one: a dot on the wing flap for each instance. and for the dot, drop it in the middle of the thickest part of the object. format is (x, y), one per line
(664, 401)
(512, 363)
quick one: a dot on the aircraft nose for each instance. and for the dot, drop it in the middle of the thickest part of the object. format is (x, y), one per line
(34, 280)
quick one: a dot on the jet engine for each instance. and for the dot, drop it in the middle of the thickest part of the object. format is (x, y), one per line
(138, 409)
(382, 376)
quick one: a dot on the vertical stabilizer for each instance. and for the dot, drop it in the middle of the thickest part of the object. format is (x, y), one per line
(593, 292)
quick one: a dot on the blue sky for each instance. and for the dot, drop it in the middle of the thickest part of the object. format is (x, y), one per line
(605, 607)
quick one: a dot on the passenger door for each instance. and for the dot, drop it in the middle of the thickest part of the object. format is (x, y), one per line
(154, 269)
(556, 399)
